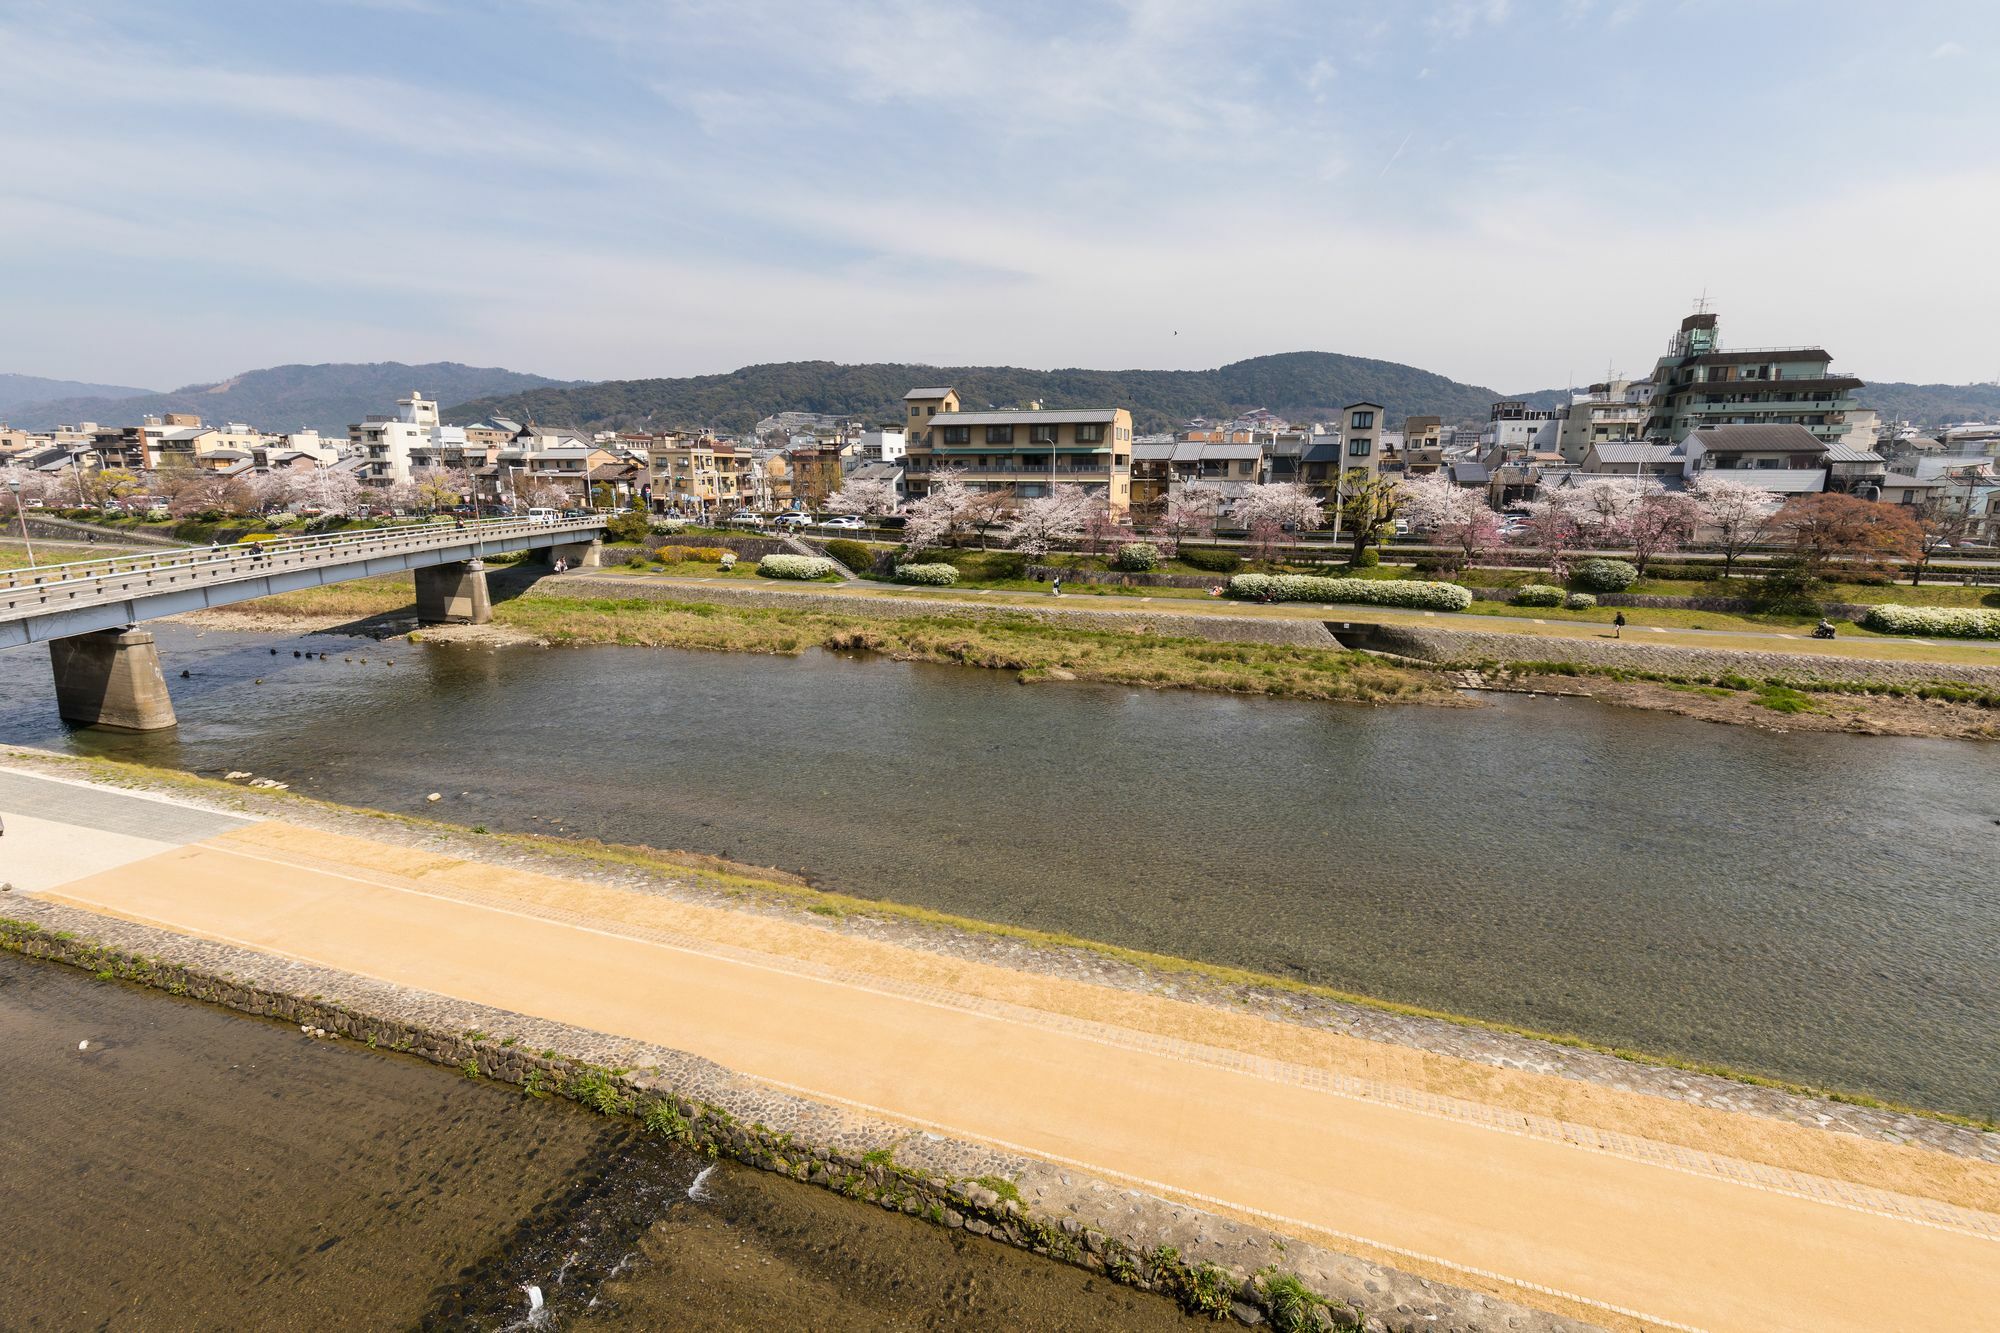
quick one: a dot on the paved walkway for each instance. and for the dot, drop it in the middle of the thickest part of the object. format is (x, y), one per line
(1191, 1104)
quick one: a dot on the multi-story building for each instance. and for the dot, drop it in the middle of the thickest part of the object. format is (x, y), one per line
(385, 443)
(1513, 428)
(1613, 412)
(815, 474)
(1020, 453)
(700, 475)
(1698, 383)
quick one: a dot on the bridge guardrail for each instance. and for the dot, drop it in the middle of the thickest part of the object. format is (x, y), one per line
(86, 582)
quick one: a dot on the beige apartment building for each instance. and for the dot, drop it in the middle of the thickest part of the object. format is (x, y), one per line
(1020, 453)
(699, 474)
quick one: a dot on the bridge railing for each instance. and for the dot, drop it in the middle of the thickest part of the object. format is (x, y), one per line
(85, 581)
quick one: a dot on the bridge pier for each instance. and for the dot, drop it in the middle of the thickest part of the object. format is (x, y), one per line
(454, 594)
(111, 678)
(577, 555)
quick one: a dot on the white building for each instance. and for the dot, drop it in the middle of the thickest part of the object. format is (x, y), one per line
(385, 443)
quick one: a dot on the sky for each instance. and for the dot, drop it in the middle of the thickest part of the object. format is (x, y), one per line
(1516, 193)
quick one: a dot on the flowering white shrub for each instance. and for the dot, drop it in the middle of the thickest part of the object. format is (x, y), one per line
(937, 576)
(1946, 622)
(1579, 601)
(794, 567)
(727, 560)
(1599, 574)
(1410, 593)
(1538, 594)
(1137, 557)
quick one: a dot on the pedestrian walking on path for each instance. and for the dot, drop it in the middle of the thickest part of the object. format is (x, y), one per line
(1055, 586)
(1618, 625)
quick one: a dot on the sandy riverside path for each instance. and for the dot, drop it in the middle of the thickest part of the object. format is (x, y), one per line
(1470, 1170)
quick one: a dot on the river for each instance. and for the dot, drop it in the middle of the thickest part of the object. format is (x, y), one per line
(175, 1166)
(1816, 907)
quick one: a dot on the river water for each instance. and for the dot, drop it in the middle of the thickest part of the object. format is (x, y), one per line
(175, 1166)
(1818, 907)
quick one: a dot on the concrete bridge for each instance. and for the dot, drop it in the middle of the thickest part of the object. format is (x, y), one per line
(107, 670)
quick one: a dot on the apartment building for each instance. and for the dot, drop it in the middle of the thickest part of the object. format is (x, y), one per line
(1020, 453)
(699, 475)
(1613, 412)
(1513, 428)
(1698, 383)
(385, 443)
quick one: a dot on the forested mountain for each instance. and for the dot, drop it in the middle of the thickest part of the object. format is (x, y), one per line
(1302, 386)
(1933, 404)
(284, 398)
(18, 391)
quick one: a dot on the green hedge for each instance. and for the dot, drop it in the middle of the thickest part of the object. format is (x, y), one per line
(803, 567)
(1946, 622)
(1410, 593)
(1538, 594)
(1599, 574)
(1209, 559)
(935, 576)
(857, 556)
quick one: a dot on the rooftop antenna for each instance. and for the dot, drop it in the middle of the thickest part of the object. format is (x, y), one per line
(1701, 304)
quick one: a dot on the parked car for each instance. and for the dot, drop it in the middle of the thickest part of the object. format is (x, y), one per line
(844, 523)
(745, 518)
(542, 517)
(792, 518)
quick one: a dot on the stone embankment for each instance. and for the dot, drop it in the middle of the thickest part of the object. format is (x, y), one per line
(1210, 1264)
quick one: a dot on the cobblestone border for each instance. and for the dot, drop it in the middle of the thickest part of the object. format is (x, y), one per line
(1209, 1263)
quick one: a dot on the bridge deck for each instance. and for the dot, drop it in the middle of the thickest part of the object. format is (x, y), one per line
(57, 601)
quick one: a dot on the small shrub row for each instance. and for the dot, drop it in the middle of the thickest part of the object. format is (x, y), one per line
(1599, 574)
(704, 555)
(1946, 622)
(1413, 594)
(1579, 601)
(1137, 557)
(1538, 594)
(934, 576)
(1210, 560)
(802, 567)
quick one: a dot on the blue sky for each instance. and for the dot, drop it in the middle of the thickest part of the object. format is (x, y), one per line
(1511, 193)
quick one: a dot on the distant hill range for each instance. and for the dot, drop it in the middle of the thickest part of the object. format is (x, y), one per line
(284, 398)
(19, 391)
(1933, 404)
(1300, 386)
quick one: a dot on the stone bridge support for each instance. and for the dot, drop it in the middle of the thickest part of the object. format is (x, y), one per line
(111, 678)
(454, 594)
(577, 555)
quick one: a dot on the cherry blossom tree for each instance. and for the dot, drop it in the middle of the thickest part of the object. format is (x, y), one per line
(1736, 514)
(1048, 519)
(270, 490)
(332, 488)
(33, 486)
(1662, 522)
(932, 519)
(867, 498)
(1554, 529)
(985, 511)
(1191, 512)
(1451, 515)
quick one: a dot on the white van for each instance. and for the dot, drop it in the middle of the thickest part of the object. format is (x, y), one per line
(542, 517)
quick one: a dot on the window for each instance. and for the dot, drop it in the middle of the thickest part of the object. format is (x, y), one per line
(1090, 434)
(999, 434)
(958, 435)
(1360, 447)
(1042, 434)
(1362, 421)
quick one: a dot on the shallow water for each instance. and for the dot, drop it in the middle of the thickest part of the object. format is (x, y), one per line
(196, 1169)
(1818, 907)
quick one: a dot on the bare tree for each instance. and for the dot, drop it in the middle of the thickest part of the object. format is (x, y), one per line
(1941, 525)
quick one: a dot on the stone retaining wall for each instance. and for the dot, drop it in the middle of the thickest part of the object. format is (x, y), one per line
(1165, 622)
(1634, 653)
(1731, 605)
(1206, 1262)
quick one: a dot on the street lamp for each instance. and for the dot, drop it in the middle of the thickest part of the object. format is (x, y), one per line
(14, 485)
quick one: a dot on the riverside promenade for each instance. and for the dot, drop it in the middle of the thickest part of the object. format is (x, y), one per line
(1615, 1207)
